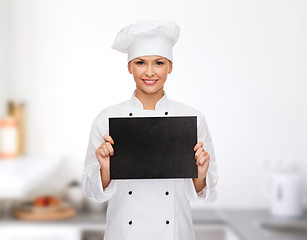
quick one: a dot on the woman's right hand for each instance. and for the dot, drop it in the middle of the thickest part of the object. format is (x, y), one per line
(104, 151)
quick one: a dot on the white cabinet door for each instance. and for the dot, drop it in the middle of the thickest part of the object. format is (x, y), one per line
(39, 233)
(214, 232)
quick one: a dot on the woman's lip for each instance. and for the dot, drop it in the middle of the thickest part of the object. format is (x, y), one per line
(153, 81)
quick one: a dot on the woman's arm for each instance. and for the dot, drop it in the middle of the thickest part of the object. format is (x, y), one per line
(105, 176)
(199, 184)
(103, 153)
(95, 178)
(203, 187)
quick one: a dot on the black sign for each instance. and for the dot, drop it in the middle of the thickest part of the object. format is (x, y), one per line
(153, 147)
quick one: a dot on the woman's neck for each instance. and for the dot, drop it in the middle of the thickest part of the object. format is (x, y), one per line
(149, 100)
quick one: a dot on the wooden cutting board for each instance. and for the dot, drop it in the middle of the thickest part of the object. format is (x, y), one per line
(54, 214)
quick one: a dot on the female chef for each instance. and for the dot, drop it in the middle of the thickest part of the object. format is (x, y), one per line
(148, 209)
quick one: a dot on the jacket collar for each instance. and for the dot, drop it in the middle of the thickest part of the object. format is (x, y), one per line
(159, 105)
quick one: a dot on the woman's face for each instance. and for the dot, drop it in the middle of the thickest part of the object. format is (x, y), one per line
(150, 72)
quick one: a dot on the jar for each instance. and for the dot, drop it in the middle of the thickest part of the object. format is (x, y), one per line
(8, 138)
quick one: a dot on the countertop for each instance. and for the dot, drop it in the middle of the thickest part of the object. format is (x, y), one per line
(245, 223)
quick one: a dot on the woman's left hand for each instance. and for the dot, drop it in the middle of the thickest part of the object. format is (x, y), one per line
(202, 160)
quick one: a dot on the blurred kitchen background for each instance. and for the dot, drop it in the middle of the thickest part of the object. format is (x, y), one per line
(241, 63)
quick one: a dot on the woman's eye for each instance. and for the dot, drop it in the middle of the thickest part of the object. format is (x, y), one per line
(139, 62)
(159, 63)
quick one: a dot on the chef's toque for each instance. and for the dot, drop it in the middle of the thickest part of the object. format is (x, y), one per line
(147, 37)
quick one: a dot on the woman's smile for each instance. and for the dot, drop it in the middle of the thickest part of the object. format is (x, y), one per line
(150, 81)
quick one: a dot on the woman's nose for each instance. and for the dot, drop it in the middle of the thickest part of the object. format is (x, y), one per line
(149, 71)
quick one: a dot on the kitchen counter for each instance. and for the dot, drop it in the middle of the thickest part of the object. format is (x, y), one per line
(247, 224)
(244, 223)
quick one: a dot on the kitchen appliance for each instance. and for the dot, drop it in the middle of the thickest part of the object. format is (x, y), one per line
(285, 192)
(75, 195)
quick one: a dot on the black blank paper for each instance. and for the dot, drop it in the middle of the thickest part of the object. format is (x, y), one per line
(153, 147)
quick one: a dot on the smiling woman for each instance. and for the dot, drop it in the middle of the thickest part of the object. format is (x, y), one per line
(150, 74)
(148, 208)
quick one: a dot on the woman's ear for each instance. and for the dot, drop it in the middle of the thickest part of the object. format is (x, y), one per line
(170, 69)
(129, 67)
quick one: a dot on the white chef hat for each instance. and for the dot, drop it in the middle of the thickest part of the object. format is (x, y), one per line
(147, 37)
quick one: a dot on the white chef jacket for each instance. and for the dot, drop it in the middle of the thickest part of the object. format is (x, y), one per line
(148, 209)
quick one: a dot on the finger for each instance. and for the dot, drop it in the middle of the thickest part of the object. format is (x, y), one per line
(199, 161)
(108, 138)
(205, 165)
(100, 159)
(199, 150)
(106, 150)
(110, 148)
(199, 144)
(204, 159)
(100, 152)
(201, 155)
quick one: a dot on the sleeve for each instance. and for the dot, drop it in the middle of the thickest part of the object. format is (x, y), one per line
(208, 193)
(91, 179)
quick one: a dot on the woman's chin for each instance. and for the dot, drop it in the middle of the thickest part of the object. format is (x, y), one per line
(149, 90)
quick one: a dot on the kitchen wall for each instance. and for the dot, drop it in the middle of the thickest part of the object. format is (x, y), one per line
(3, 55)
(242, 63)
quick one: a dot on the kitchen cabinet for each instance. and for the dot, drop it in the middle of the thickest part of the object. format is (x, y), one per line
(51, 232)
(33, 232)
(84, 226)
(202, 232)
(208, 224)
(214, 232)
(92, 235)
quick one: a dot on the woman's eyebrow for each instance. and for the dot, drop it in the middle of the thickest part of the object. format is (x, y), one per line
(154, 60)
